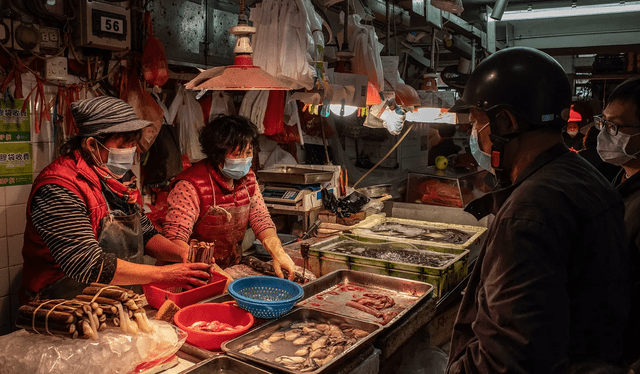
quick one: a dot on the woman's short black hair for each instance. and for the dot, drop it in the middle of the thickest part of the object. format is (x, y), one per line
(75, 143)
(224, 134)
(629, 92)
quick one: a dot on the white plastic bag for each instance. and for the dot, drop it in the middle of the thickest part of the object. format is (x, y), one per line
(186, 113)
(112, 353)
(221, 103)
(366, 48)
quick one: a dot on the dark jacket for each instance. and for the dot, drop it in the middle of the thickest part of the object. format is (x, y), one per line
(576, 142)
(550, 283)
(630, 191)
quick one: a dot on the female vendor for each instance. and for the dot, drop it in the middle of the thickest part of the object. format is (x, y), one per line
(215, 199)
(84, 223)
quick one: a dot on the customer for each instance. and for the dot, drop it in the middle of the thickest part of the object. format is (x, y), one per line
(84, 222)
(619, 144)
(550, 284)
(590, 153)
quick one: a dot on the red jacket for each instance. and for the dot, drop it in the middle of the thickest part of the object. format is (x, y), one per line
(40, 269)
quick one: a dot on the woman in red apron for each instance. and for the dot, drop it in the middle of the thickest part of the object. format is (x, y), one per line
(216, 198)
(84, 222)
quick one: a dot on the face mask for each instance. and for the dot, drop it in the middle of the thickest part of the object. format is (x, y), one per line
(120, 160)
(572, 133)
(236, 168)
(483, 158)
(613, 149)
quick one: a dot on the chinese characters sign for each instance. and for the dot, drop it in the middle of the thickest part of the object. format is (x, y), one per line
(14, 123)
(16, 164)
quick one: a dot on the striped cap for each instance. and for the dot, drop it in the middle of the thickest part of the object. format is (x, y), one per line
(104, 115)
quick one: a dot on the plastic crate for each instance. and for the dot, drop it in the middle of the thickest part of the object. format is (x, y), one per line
(156, 294)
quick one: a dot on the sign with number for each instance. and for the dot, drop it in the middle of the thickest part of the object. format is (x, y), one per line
(15, 125)
(16, 164)
(109, 25)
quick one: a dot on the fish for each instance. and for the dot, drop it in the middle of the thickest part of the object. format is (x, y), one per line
(303, 351)
(289, 360)
(359, 333)
(319, 353)
(303, 340)
(299, 325)
(266, 346)
(276, 336)
(250, 351)
(319, 343)
(322, 326)
(336, 350)
(310, 330)
(292, 334)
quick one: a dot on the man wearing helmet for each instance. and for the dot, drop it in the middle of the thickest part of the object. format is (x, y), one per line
(550, 284)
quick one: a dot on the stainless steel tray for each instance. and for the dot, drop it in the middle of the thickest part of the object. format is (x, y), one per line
(407, 294)
(224, 364)
(294, 175)
(232, 347)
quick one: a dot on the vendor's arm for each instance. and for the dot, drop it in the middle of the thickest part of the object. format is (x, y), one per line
(265, 230)
(62, 219)
(522, 318)
(159, 247)
(182, 215)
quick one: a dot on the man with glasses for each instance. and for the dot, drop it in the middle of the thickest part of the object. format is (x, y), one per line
(619, 144)
(549, 286)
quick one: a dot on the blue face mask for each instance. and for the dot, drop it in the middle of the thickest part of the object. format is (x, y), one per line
(236, 168)
(483, 158)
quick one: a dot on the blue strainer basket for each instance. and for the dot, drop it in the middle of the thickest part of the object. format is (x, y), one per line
(265, 297)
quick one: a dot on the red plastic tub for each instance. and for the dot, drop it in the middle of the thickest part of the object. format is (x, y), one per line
(157, 294)
(208, 312)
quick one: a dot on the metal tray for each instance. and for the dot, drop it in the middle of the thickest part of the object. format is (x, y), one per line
(294, 175)
(232, 347)
(474, 232)
(224, 364)
(407, 294)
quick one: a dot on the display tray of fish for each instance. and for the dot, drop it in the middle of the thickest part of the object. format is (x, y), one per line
(304, 341)
(224, 365)
(446, 235)
(370, 297)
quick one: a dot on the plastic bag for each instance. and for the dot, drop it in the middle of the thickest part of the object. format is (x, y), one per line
(154, 60)
(145, 107)
(221, 103)
(186, 113)
(366, 49)
(112, 353)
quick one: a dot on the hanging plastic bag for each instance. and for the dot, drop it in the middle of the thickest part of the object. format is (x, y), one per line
(188, 117)
(366, 49)
(221, 103)
(154, 60)
(145, 107)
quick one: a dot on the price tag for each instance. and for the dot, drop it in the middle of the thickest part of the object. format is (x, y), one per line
(111, 25)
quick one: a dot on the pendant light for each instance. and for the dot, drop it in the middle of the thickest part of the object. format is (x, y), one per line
(243, 75)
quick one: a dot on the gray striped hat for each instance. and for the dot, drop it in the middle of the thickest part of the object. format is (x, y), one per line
(104, 115)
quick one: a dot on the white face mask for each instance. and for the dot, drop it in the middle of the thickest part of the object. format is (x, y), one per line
(613, 149)
(120, 160)
(482, 157)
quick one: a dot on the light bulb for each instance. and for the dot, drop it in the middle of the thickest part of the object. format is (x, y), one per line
(348, 109)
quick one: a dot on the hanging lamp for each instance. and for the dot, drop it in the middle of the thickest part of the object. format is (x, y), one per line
(243, 75)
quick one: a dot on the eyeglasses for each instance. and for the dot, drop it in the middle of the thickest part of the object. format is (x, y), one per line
(611, 127)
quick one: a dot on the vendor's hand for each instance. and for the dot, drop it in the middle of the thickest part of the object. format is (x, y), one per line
(185, 275)
(281, 259)
(218, 269)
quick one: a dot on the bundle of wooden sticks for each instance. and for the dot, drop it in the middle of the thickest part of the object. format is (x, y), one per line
(86, 314)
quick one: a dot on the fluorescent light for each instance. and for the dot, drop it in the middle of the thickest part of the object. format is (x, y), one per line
(587, 10)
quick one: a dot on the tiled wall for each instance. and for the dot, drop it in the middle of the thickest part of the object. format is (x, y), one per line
(13, 200)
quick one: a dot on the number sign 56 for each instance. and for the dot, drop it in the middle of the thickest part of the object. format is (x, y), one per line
(111, 25)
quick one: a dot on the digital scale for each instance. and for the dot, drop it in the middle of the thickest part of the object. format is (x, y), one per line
(288, 195)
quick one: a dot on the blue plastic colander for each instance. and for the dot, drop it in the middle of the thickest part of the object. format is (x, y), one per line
(265, 297)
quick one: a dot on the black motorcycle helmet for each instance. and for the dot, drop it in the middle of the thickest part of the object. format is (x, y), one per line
(529, 82)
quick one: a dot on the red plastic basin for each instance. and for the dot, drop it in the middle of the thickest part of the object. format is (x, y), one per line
(157, 294)
(209, 312)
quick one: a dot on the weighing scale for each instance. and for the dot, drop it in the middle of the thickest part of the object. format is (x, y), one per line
(289, 195)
